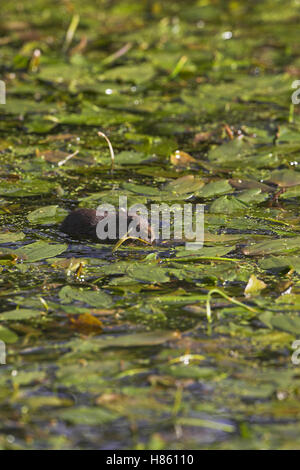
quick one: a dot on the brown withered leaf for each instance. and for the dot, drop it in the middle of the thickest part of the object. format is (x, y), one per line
(86, 324)
(202, 137)
(181, 159)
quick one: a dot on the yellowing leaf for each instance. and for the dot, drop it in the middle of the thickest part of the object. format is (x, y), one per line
(254, 286)
(180, 158)
(87, 323)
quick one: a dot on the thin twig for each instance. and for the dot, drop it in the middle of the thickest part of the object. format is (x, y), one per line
(112, 154)
(116, 55)
(62, 162)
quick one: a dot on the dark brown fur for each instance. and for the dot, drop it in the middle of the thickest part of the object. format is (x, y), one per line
(82, 223)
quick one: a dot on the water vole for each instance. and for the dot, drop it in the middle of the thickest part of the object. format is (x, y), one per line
(82, 223)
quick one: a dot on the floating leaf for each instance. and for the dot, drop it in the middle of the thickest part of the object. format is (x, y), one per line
(87, 323)
(181, 159)
(20, 314)
(40, 250)
(47, 215)
(253, 196)
(26, 188)
(130, 158)
(6, 335)
(281, 245)
(214, 188)
(11, 237)
(228, 205)
(132, 73)
(285, 178)
(94, 298)
(279, 263)
(147, 273)
(284, 323)
(87, 416)
(185, 184)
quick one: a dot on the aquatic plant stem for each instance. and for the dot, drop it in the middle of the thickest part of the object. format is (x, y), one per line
(112, 154)
(230, 299)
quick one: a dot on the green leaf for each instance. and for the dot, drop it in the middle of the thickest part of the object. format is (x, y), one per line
(152, 338)
(285, 323)
(47, 215)
(6, 335)
(281, 245)
(279, 263)
(227, 205)
(185, 184)
(131, 73)
(94, 298)
(285, 178)
(87, 416)
(130, 158)
(147, 273)
(40, 250)
(142, 189)
(254, 286)
(26, 188)
(252, 196)
(214, 188)
(20, 314)
(10, 237)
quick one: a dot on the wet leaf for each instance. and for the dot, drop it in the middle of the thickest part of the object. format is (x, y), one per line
(285, 323)
(185, 184)
(182, 159)
(87, 323)
(10, 237)
(94, 298)
(47, 215)
(87, 416)
(274, 246)
(26, 188)
(20, 314)
(285, 178)
(215, 188)
(40, 250)
(227, 204)
(6, 335)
